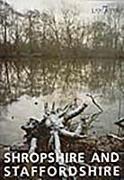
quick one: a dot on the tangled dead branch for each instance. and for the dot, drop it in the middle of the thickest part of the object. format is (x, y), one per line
(54, 126)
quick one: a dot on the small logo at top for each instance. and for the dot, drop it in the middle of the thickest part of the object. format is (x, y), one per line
(104, 9)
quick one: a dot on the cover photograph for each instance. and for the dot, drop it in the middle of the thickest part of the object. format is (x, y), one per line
(61, 90)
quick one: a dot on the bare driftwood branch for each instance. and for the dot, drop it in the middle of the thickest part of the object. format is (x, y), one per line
(53, 107)
(94, 102)
(75, 112)
(33, 145)
(120, 123)
(71, 134)
(95, 115)
(116, 137)
(54, 126)
(79, 127)
(92, 118)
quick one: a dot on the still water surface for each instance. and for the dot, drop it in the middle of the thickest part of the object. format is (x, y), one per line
(26, 84)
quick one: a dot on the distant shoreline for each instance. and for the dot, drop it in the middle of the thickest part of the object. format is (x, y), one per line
(85, 53)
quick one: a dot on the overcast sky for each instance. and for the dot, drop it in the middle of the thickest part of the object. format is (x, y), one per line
(43, 4)
(85, 6)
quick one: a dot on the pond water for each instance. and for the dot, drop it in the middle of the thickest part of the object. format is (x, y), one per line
(26, 84)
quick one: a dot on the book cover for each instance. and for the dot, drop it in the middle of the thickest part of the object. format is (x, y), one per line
(61, 90)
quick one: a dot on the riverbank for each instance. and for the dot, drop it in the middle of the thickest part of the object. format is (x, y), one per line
(67, 53)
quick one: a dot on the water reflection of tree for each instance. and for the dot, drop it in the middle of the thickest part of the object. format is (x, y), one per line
(121, 77)
(36, 77)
